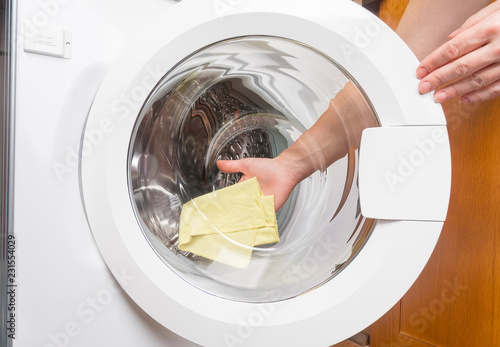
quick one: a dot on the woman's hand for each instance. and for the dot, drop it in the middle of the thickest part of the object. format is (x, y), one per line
(471, 59)
(275, 178)
(325, 142)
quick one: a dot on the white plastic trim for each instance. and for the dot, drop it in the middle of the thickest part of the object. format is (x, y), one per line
(405, 173)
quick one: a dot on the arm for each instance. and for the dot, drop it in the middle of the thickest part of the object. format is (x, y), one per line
(329, 139)
(426, 24)
(339, 127)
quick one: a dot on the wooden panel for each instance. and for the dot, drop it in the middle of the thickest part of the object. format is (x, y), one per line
(391, 11)
(387, 332)
(456, 300)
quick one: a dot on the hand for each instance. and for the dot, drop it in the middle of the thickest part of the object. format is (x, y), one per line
(325, 142)
(274, 176)
(471, 59)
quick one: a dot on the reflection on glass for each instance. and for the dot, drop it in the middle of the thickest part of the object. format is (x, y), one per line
(246, 97)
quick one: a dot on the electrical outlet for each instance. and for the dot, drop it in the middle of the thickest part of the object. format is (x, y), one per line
(48, 41)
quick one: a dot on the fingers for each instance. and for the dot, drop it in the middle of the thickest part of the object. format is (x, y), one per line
(235, 166)
(479, 81)
(450, 51)
(460, 68)
(491, 92)
(469, 63)
(230, 166)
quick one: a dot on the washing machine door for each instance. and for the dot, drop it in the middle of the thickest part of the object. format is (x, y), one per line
(234, 79)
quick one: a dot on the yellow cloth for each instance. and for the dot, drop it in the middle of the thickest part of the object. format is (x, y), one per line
(224, 225)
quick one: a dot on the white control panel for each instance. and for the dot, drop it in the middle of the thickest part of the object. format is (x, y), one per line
(54, 42)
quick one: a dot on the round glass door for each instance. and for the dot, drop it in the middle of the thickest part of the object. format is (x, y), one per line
(248, 97)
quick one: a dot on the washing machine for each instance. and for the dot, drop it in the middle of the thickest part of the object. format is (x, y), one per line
(123, 109)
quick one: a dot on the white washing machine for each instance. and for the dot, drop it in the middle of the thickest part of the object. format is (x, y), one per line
(123, 108)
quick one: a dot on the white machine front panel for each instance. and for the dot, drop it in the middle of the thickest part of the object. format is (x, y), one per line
(66, 296)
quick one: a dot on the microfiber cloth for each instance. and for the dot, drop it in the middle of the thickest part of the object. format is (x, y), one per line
(225, 224)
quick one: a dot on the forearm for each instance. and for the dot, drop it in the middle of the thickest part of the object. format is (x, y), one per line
(426, 24)
(329, 139)
(317, 148)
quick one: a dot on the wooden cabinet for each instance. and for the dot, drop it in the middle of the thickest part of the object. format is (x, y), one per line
(456, 300)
